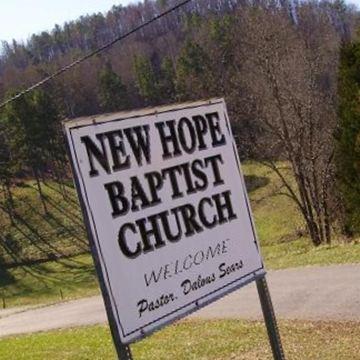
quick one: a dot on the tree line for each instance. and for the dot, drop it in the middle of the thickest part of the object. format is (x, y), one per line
(289, 72)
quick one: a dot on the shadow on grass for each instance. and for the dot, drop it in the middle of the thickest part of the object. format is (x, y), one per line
(47, 277)
(55, 223)
(66, 212)
(5, 277)
(47, 282)
(254, 182)
(70, 196)
(51, 252)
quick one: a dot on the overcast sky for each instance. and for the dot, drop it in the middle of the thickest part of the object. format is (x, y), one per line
(21, 18)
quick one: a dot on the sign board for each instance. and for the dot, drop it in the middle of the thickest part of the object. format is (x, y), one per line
(166, 209)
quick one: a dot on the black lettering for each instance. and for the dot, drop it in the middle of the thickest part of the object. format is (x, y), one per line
(224, 206)
(217, 137)
(138, 193)
(115, 191)
(222, 270)
(189, 216)
(94, 152)
(201, 130)
(153, 230)
(213, 161)
(142, 306)
(186, 123)
(208, 224)
(153, 276)
(198, 261)
(171, 138)
(167, 229)
(141, 146)
(155, 181)
(197, 171)
(186, 285)
(187, 175)
(117, 148)
(171, 171)
(123, 244)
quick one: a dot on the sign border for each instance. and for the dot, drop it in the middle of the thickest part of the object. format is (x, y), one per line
(140, 332)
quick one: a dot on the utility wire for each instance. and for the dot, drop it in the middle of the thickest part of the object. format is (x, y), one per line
(92, 53)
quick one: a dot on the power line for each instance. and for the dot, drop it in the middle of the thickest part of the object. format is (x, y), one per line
(92, 53)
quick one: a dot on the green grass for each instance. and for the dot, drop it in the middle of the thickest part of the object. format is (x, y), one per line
(280, 228)
(49, 282)
(36, 235)
(197, 340)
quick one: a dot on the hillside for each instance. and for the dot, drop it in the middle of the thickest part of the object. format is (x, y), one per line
(68, 272)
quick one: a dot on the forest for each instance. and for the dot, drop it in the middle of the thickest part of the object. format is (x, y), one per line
(288, 70)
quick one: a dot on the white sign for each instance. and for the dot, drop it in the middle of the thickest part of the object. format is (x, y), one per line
(167, 209)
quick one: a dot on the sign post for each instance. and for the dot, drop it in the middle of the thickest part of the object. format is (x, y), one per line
(164, 202)
(270, 319)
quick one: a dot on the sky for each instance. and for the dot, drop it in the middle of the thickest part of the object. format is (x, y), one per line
(21, 18)
(354, 2)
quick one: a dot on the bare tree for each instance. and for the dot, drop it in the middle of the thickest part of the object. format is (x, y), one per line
(291, 71)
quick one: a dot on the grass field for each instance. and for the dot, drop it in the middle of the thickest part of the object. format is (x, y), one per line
(195, 340)
(35, 235)
(284, 242)
(281, 231)
(49, 282)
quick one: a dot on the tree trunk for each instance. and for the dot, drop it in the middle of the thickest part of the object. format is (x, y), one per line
(9, 201)
(41, 195)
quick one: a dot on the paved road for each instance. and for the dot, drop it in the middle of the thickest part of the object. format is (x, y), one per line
(311, 293)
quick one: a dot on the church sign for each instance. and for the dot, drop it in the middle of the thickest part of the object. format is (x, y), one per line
(167, 212)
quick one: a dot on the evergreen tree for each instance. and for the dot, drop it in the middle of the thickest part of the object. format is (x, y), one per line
(348, 139)
(6, 174)
(167, 80)
(112, 92)
(146, 79)
(191, 72)
(30, 125)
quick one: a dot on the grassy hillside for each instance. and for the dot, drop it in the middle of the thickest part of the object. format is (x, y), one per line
(36, 236)
(282, 235)
(52, 248)
(281, 230)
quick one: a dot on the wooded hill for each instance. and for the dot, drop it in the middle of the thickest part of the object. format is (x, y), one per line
(275, 62)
